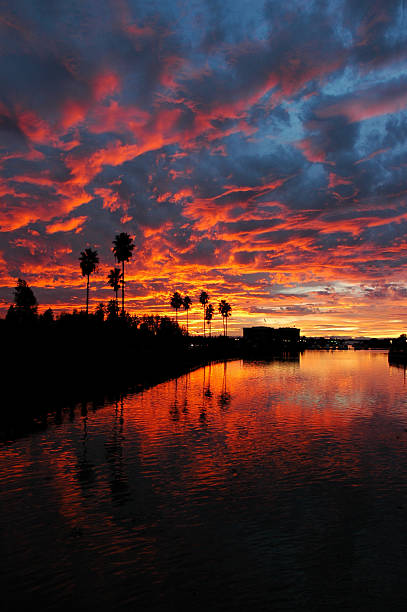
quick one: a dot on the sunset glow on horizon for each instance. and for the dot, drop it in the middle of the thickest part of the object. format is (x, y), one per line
(254, 150)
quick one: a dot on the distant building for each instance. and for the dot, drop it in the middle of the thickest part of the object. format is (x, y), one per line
(271, 338)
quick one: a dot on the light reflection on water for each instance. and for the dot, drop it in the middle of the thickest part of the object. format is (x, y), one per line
(261, 485)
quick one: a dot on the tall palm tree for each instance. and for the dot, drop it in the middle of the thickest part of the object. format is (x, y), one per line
(123, 246)
(209, 311)
(176, 302)
(88, 262)
(114, 278)
(225, 310)
(186, 302)
(204, 299)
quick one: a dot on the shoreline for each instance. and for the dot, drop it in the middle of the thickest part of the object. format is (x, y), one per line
(29, 407)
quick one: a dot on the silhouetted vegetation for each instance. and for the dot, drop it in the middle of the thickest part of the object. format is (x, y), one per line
(176, 302)
(114, 279)
(24, 309)
(209, 312)
(187, 302)
(61, 359)
(123, 247)
(112, 310)
(225, 310)
(204, 299)
(88, 262)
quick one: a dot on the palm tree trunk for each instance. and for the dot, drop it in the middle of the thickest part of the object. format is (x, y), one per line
(187, 321)
(226, 325)
(123, 288)
(87, 296)
(176, 316)
(204, 319)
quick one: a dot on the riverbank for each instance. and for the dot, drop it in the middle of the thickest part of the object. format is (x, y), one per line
(52, 364)
(49, 368)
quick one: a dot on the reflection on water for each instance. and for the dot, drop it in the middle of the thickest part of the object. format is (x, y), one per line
(279, 485)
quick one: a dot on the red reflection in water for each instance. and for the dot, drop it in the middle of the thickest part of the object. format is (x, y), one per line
(135, 489)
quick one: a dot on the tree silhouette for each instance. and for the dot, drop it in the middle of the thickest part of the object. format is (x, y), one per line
(100, 312)
(123, 246)
(88, 262)
(204, 299)
(25, 304)
(47, 317)
(186, 302)
(209, 311)
(114, 278)
(176, 302)
(112, 310)
(24, 297)
(225, 310)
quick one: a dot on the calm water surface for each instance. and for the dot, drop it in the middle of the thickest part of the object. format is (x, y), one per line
(259, 486)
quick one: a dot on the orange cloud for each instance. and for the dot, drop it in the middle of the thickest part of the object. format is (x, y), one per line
(75, 223)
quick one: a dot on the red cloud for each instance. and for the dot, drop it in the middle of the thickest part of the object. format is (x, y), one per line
(105, 84)
(208, 211)
(66, 226)
(335, 180)
(312, 152)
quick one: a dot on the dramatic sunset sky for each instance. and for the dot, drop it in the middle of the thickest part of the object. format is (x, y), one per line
(255, 149)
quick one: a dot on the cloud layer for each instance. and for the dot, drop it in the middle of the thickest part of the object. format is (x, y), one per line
(254, 150)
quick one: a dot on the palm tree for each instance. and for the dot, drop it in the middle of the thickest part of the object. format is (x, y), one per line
(112, 310)
(209, 311)
(225, 310)
(186, 302)
(88, 262)
(114, 278)
(123, 246)
(176, 302)
(204, 299)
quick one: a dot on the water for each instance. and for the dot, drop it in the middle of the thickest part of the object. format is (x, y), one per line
(253, 486)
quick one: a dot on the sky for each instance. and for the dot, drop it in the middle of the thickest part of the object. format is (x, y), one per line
(254, 149)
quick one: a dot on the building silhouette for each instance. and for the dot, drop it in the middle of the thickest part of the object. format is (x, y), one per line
(271, 339)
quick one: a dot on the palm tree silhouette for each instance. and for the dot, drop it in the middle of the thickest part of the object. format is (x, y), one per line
(114, 278)
(186, 302)
(112, 310)
(225, 310)
(176, 302)
(88, 262)
(123, 246)
(204, 299)
(209, 311)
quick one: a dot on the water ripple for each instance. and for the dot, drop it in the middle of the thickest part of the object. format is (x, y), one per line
(257, 485)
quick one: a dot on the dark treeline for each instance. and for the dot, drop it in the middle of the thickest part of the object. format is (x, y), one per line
(51, 361)
(77, 350)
